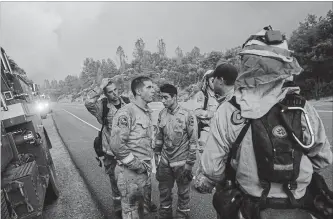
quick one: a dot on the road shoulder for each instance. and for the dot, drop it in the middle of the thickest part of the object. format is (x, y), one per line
(75, 200)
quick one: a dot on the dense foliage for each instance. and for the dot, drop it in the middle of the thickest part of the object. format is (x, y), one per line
(312, 43)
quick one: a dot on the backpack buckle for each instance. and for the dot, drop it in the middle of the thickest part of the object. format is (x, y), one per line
(308, 124)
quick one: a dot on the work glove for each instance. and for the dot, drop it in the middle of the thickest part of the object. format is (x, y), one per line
(138, 166)
(323, 196)
(203, 184)
(186, 176)
(157, 158)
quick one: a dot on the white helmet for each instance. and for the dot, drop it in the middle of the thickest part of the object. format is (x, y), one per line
(268, 43)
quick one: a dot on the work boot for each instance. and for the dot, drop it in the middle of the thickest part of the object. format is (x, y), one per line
(117, 206)
(149, 209)
(182, 213)
(165, 212)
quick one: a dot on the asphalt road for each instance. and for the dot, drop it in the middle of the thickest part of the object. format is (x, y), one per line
(78, 128)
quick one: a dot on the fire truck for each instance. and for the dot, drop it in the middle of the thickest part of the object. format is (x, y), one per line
(28, 178)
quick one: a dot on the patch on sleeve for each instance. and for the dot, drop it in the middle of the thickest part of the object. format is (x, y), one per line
(122, 121)
(236, 118)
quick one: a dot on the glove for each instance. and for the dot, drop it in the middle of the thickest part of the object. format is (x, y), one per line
(203, 184)
(186, 175)
(138, 166)
(157, 158)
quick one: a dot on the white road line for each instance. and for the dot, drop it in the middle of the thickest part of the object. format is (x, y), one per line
(153, 161)
(82, 120)
(325, 111)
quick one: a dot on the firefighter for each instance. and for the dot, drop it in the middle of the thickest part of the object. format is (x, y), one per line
(175, 153)
(95, 106)
(273, 157)
(220, 88)
(207, 105)
(131, 142)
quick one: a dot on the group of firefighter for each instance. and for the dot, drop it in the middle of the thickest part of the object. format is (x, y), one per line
(256, 141)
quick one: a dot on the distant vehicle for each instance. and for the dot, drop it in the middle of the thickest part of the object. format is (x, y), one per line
(43, 106)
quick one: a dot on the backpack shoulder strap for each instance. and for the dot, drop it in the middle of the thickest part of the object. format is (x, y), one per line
(206, 100)
(242, 133)
(105, 110)
(233, 102)
(230, 173)
(125, 99)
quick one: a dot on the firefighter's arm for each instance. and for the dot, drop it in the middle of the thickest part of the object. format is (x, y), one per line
(215, 155)
(159, 140)
(192, 132)
(199, 112)
(93, 105)
(320, 154)
(121, 127)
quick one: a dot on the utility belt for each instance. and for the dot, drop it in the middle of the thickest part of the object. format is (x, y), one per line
(119, 163)
(228, 202)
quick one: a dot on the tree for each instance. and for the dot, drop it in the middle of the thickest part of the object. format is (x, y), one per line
(122, 57)
(54, 84)
(139, 49)
(15, 68)
(46, 84)
(179, 52)
(212, 59)
(313, 47)
(194, 54)
(161, 48)
(112, 68)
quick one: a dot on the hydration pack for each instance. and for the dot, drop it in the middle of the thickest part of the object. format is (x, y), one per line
(277, 152)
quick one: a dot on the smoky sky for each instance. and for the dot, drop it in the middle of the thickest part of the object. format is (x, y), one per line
(50, 40)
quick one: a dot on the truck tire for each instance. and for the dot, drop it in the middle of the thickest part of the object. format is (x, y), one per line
(52, 191)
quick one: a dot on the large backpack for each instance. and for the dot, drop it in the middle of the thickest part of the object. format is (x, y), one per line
(277, 153)
(278, 156)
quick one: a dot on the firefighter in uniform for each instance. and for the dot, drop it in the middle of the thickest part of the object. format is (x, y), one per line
(131, 142)
(206, 107)
(175, 153)
(95, 106)
(219, 85)
(264, 84)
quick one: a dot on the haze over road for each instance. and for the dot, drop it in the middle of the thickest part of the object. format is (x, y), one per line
(78, 129)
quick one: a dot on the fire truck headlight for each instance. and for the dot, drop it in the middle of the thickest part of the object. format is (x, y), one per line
(40, 106)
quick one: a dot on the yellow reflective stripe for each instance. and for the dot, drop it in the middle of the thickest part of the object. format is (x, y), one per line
(274, 49)
(166, 206)
(183, 209)
(178, 163)
(267, 54)
(158, 142)
(128, 159)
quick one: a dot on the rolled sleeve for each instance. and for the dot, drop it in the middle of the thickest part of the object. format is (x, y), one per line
(93, 105)
(192, 132)
(320, 154)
